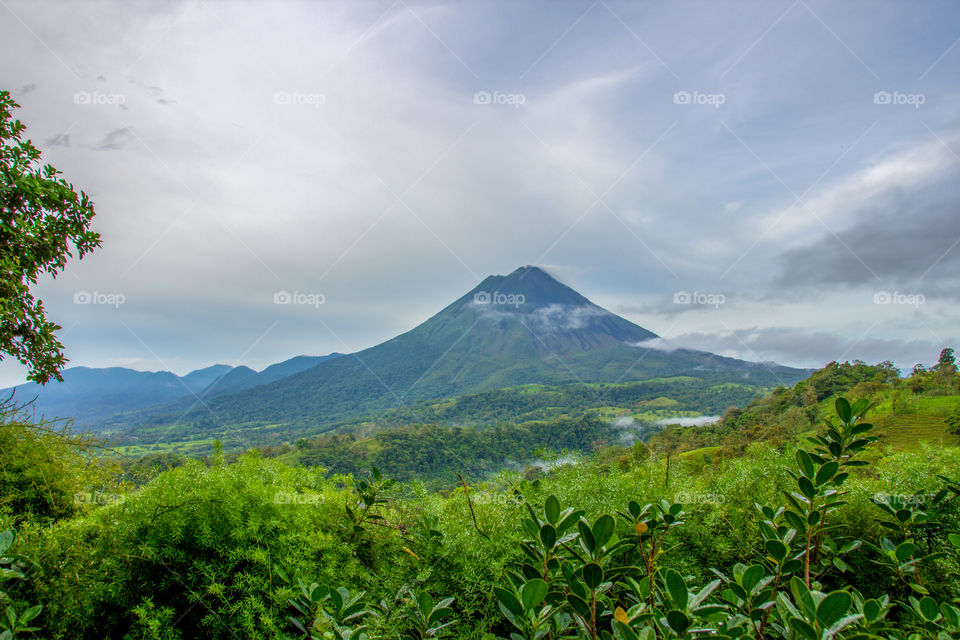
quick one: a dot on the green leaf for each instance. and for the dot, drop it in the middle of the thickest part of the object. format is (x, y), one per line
(776, 549)
(623, 632)
(592, 575)
(795, 521)
(827, 472)
(425, 603)
(801, 627)
(548, 536)
(508, 600)
(860, 406)
(678, 621)
(844, 410)
(677, 588)
(533, 593)
(801, 595)
(30, 613)
(905, 550)
(586, 537)
(806, 487)
(928, 608)
(551, 509)
(833, 607)
(751, 577)
(805, 463)
(603, 529)
(579, 605)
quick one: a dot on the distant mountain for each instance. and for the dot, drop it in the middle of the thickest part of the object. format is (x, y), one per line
(241, 378)
(200, 379)
(90, 396)
(525, 327)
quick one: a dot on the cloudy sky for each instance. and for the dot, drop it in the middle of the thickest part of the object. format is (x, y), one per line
(793, 166)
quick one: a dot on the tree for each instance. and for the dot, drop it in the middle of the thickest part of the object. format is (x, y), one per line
(42, 219)
(953, 421)
(946, 367)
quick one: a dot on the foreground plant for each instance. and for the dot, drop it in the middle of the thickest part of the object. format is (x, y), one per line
(14, 567)
(586, 582)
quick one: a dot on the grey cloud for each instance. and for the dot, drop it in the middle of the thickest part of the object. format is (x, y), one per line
(908, 237)
(58, 140)
(114, 140)
(27, 88)
(802, 347)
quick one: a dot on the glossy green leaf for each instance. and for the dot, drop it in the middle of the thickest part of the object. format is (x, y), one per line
(677, 588)
(533, 593)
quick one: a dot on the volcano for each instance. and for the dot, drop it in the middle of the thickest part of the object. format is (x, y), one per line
(522, 328)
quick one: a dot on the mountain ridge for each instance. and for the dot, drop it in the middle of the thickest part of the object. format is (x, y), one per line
(521, 328)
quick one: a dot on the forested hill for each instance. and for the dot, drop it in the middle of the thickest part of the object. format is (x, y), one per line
(921, 407)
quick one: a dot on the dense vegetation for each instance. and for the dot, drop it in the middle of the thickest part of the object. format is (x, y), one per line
(924, 397)
(786, 539)
(647, 401)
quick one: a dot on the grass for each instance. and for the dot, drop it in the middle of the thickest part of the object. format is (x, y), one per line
(906, 432)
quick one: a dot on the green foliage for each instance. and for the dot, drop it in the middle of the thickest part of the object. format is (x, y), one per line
(42, 218)
(587, 550)
(601, 591)
(47, 470)
(953, 421)
(787, 414)
(14, 567)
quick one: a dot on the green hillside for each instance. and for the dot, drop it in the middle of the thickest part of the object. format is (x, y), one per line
(549, 334)
(907, 412)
